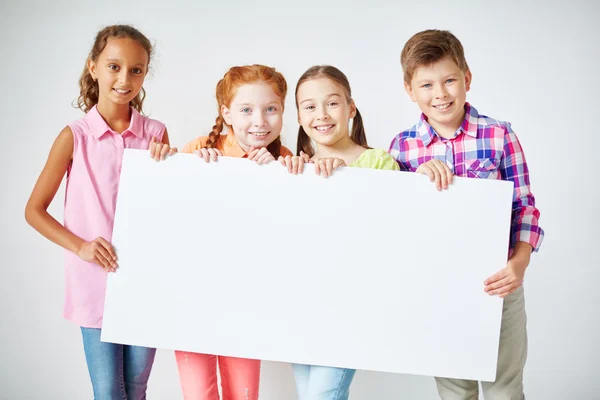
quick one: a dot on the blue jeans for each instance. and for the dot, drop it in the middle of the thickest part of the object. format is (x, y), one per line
(314, 382)
(118, 372)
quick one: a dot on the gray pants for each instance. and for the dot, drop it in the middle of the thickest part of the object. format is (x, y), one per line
(511, 359)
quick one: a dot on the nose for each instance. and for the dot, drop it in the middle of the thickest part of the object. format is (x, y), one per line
(259, 119)
(322, 113)
(440, 91)
(123, 76)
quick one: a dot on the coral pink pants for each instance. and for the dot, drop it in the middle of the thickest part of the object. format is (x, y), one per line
(198, 375)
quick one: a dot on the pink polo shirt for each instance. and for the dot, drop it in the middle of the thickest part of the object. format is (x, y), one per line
(90, 200)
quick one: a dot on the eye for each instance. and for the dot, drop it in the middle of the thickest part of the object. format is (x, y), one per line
(136, 71)
(332, 104)
(271, 109)
(113, 67)
(245, 110)
(450, 80)
(427, 86)
(309, 107)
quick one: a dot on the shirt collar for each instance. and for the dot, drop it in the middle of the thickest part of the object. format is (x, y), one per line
(233, 148)
(99, 127)
(468, 126)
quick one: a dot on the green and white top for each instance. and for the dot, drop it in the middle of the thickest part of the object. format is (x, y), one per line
(377, 159)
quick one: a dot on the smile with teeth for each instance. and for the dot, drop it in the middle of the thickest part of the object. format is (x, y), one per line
(121, 91)
(259, 134)
(443, 106)
(323, 128)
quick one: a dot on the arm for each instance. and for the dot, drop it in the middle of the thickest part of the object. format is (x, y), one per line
(526, 234)
(36, 214)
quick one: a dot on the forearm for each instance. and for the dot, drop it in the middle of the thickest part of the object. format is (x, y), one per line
(51, 229)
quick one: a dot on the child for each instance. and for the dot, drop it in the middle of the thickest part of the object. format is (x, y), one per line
(453, 138)
(325, 107)
(250, 102)
(90, 151)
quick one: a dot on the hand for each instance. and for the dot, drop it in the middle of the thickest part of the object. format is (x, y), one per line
(159, 151)
(326, 166)
(209, 154)
(508, 279)
(294, 164)
(260, 156)
(438, 172)
(100, 252)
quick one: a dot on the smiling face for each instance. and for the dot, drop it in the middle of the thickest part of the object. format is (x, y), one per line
(120, 70)
(440, 90)
(255, 115)
(324, 110)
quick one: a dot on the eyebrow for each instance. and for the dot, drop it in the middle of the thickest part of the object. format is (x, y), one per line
(329, 95)
(250, 104)
(118, 61)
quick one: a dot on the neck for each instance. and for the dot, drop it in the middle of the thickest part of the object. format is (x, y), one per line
(344, 148)
(117, 116)
(448, 130)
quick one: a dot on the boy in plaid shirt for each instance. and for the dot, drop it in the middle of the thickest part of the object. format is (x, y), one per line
(452, 138)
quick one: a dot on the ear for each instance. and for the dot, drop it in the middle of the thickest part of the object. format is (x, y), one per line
(226, 113)
(468, 77)
(352, 109)
(409, 91)
(91, 65)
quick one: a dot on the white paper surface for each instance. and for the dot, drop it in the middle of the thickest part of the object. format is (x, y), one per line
(366, 269)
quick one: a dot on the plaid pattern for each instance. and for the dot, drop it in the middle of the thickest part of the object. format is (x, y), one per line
(482, 147)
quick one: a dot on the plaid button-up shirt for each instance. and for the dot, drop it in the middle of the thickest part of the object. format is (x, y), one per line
(482, 147)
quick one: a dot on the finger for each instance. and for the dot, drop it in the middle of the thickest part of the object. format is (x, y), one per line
(300, 165)
(266, 158)
(449, 174)
(164, 151)
(109, 247)
(101, 261)
(295, 162)
(318, 167)
(288, 163)
(304, 156)
(338, 163)
(329, 165)
(504, 290)
(204, 154)
(496, 277)
(213, 154)
(442, 173)
(515, 287)
(498, 284)
(281, 161)
(219, 152)
(436, 177)
(252, 153)
(425, 170)
(172, 151)
(104, 254)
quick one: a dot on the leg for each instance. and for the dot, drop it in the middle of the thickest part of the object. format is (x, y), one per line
(198, 375)
(240, 378)
(457, 389)
(512, 353)
(329, 383)
(105, 365)
(301, 376)
(137, 364)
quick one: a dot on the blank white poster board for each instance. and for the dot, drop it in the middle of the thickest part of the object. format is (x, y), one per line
(367, 269)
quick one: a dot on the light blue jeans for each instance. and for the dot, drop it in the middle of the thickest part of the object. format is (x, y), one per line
(118, 372)
(314, 382)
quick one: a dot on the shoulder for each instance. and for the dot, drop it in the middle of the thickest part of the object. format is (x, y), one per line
(152, 126)
(79, 127)
(196, 144)
(407, 134)
(378, 159)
